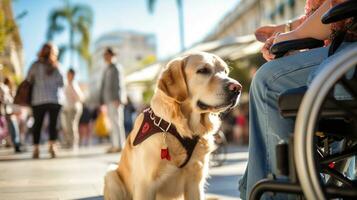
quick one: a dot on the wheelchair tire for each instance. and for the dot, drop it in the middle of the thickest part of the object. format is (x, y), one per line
(308, 115)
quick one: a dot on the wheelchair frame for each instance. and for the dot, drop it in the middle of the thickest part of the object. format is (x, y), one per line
(304, 177)
(307, 118)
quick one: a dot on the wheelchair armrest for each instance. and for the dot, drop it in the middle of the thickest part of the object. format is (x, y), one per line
(341, 11)
(281, 48)
(290, 100)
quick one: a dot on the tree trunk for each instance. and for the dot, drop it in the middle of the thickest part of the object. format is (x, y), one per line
(71, 45)
(181, 24)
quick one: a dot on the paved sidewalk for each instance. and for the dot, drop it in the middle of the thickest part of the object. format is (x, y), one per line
(79, 175)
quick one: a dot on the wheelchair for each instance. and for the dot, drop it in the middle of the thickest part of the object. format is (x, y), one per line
(313, 169)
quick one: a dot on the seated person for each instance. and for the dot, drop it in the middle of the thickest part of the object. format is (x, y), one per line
(267, 128)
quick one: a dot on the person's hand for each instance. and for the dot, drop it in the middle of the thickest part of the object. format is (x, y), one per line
(281, 37)
(265, 32)
(103, 108)
(266, 49)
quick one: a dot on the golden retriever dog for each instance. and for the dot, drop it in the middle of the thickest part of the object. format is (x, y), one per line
(191, 92)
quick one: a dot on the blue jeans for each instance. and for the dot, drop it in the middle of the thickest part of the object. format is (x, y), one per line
(13, 130)
(267, 127)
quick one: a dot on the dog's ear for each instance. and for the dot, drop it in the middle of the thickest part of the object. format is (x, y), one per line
(173, 80)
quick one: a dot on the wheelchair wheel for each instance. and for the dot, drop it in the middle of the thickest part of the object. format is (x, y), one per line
(312, 110)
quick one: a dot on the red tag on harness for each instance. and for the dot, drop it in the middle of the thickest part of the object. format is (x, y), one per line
(165, 154)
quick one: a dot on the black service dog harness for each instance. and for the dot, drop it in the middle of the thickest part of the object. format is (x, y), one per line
(153, 124)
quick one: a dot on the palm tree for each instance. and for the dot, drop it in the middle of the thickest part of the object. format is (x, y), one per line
(79, 20)
(151, 5)
(8, 25)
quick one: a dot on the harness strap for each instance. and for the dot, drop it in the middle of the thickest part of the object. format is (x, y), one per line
(153, 124)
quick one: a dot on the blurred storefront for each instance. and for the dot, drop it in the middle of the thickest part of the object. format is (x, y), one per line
(11, 51)
(250, 14)
(233, 40)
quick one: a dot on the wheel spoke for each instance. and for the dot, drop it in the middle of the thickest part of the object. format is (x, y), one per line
(337, 175)
(339, 156)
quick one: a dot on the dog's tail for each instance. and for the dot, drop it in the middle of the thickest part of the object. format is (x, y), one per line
(114, 188)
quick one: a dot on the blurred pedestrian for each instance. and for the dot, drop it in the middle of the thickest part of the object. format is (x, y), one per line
(85, 126)
(240, 127)
(8, 109)
(129, 116)
(47, 82)
(71, 110)
(113, 96)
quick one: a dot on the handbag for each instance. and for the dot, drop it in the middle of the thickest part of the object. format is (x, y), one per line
(24, 93)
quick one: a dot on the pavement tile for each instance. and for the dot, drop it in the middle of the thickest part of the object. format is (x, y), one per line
(79, 175)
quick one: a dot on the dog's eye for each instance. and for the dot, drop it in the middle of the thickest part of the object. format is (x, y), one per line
(203, 71)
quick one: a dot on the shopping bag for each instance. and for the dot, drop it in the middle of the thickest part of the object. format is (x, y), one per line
(102, 126)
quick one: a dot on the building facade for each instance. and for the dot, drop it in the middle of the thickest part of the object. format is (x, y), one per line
(135, 50)
(11, 50)
(251, 14)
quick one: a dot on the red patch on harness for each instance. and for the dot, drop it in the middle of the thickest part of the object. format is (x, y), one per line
(145, 128)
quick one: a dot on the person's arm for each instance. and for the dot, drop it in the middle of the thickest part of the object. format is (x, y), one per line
(312, 27)
(115, 81)
(265, 32)
(58, 77)
(78, 92)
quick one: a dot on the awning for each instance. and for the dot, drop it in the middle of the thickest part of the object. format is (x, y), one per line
(232, 48)
(225, 42)
(149, 73)
(241, 52)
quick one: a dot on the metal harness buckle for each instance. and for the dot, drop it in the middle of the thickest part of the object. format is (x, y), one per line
(158, 124)
(152, 117)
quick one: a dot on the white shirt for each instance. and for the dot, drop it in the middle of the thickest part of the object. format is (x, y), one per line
(73, 95)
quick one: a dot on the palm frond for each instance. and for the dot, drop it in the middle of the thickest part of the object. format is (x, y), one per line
(61, 50)
(83, 45)
(54, 24)
(84, 12)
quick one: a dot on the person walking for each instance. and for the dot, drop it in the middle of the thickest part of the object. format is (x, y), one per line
(129, 116)
(47, 83)
(9, 110)
(113, 96)
(72, 110)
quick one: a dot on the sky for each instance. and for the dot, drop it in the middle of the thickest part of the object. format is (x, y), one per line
(200, 18)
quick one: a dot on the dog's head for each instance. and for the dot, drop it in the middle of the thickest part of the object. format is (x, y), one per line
(202, 79)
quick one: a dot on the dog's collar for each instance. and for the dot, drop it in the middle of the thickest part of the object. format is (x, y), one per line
(153, 124)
